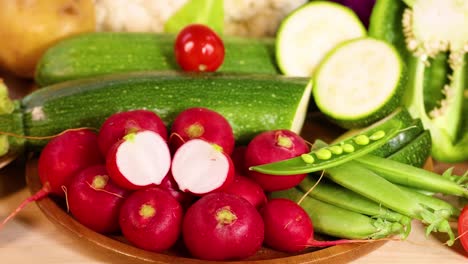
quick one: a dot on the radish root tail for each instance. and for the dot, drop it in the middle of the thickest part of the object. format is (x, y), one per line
(44, 137)
(65, 192)
(103, 190)
(37, 196)
(311, 189)
(176, 135)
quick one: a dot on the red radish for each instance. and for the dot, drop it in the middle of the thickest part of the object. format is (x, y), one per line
(247, 189)
(222, 226)
(170, 185)
(238, 159)
(60, 160)
(116, 126)
(139, 160)
(288, 227)
(199, 48)
(94, 200)
(271, 146)
(200, 167)
(463, 228)
(203, 123)
(151, 219)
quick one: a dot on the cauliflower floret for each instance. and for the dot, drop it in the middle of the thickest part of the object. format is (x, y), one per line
(256, 18)
(253, 18)
(134, 15)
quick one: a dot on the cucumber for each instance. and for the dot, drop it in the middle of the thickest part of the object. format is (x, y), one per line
(359, 82)
(251, 103)
(95, 54)
(308, 33)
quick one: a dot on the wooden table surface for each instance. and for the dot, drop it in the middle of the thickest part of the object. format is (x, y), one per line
(31, 238)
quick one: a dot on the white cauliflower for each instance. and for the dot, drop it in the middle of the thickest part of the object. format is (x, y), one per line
(254, 18)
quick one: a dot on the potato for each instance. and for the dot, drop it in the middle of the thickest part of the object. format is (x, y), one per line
(29, 27)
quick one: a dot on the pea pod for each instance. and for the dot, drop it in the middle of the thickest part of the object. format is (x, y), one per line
(352, 175)
(408, 175)
(440, 207)
(337, 153)
(400, 140)
(338, 222)
(332, 193)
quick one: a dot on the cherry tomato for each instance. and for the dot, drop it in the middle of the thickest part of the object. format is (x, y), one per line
(463, 227)
(198, 48)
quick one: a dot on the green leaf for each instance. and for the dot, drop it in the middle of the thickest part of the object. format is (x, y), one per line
(207, 12)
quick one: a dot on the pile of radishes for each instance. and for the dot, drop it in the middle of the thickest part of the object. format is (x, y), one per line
(194, 185)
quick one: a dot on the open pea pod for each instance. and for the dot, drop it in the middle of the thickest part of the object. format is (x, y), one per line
(337, 153)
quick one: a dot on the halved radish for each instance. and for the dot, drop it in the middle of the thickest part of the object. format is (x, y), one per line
(203, 123)
(138, 160)
(201, 167)
(116, 126)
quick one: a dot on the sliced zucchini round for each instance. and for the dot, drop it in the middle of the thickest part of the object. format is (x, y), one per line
(309, 32)
(359, 82)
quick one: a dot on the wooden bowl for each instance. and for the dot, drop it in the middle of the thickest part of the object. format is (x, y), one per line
(316, 127)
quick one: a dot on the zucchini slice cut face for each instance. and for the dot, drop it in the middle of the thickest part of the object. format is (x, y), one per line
(308, 33)
(359, 82)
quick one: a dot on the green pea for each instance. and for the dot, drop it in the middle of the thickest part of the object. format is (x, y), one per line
(361, 140)
(323, 154)
(307, 158)
(377, 135)
(348, 148)
(337, 150)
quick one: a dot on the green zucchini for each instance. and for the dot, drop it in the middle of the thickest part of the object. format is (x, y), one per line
(401, 140)
(95, 54)
(306, 35)
(359, 82)
(251, 103)
(386, 19)
(416, 152)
